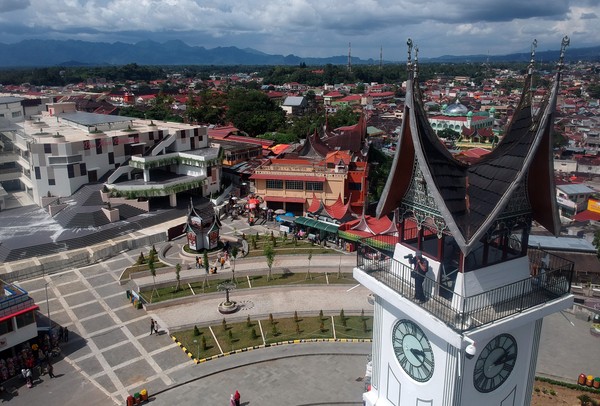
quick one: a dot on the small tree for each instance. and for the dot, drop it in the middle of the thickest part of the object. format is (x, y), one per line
(274, 330)
(297, 328)
(320, 314)
(230, 336)
(205, 260)
(178, 277)
(248, 322)
(296, 316)
(224, 323)
(196, 331)
(365, 326)
(308, 276)
(322, 326)
(253, 333)
(362, 314)
(203, 343)
(234, 254)
(152, 268)
(141, 259)
(253, 241)
(269, 254)
(271, 318)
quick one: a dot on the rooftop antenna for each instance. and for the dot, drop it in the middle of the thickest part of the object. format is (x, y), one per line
(349, 56)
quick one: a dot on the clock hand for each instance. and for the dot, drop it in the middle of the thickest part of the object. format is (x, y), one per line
(416, 352)
(503, 359)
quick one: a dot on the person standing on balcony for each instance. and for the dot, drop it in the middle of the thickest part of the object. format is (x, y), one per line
(421, 266)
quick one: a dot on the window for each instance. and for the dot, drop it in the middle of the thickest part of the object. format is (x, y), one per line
(38, 174)
(16, 114)
(70, 171)
(111, 158)
(25, 319)
(274, 184)
(98, 146)
(294, 184)
(208, 171)
(47, 148)
(354, 186)
(316, 186)
(6, 326)
(82, 169)
(52, 182)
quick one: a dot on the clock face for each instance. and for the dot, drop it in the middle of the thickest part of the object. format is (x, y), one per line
(413, 351)
(495, 363)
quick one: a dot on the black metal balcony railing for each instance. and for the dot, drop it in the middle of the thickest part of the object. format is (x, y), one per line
(550, 279)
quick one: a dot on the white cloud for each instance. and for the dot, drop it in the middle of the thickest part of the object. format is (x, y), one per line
(312, 27)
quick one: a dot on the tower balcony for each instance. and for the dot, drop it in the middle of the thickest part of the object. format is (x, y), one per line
(549, 280)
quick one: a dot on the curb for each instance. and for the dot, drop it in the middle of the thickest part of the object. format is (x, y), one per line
(256, 347)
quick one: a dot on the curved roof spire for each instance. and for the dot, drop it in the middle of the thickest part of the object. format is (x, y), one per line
(566, 41)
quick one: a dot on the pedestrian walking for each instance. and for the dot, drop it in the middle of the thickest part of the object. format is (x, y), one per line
(231, 400)
(50, 370)
(197, 262)
(236, 397)
(66, 334)
(222, 261)
(151, 326)
(155, 328)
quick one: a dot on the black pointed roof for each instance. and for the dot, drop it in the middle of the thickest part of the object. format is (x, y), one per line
(471, 198)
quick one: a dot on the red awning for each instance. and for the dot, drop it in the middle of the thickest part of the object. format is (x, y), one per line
(19, 312)
(285, 199)
(288, 177)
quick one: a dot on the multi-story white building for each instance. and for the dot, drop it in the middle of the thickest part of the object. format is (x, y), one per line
(57, 152)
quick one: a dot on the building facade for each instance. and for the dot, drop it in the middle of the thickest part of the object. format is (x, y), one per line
(60, 150)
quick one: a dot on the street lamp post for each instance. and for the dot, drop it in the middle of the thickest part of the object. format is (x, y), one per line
(48, 307)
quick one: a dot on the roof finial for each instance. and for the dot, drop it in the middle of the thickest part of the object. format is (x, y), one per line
(416, 64)
(563, 47)
(531, 62)
(409, 43)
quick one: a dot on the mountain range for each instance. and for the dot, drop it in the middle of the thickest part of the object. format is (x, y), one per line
(30, 53)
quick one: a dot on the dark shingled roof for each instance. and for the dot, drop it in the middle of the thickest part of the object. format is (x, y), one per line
(471, 197)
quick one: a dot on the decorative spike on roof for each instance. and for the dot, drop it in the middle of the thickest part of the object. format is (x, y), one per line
(515, 179)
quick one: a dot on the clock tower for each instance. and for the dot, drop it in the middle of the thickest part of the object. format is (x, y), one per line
(459, 297)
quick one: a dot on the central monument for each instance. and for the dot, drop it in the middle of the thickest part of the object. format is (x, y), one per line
(470, 336)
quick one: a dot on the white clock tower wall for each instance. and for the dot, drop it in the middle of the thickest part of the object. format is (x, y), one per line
(448, 386)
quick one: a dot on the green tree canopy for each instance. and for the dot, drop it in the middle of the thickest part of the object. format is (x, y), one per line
(253, 112)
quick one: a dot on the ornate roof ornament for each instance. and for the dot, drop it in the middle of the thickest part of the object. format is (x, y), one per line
(416, 64)
(531, 62)
(409, 43)
(566, 41)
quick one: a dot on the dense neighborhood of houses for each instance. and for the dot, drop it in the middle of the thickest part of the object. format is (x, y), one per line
(54, 141)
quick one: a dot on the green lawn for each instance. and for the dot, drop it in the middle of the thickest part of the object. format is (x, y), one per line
(286, 329)
(187, 338)
(279, 279)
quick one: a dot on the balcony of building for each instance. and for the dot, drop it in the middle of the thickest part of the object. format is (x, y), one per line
(550, 279)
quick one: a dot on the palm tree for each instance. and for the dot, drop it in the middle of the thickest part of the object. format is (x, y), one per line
(269, 253)
(178, 277)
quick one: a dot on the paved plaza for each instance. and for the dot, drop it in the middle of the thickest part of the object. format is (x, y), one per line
(111, 355)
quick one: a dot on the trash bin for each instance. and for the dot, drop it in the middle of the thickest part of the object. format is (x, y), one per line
(128, 293)
(144, 394)
(129, 400)
(596, 382)
(581, 379)
(589, 381)
(137, 398)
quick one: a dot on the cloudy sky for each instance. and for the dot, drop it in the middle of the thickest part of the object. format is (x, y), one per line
(313, 27)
